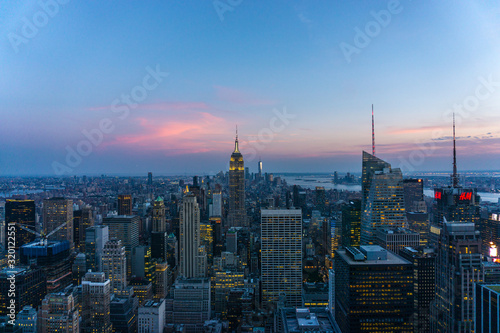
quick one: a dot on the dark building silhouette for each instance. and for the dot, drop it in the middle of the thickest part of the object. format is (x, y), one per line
(124, 204)
(351, 223)
(22, 212)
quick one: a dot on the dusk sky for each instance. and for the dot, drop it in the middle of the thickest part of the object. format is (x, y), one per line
(297, 78)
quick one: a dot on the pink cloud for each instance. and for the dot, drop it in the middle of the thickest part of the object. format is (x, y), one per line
(164, 106)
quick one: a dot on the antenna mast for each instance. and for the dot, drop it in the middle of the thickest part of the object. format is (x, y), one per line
(373, 133)
(455, 175)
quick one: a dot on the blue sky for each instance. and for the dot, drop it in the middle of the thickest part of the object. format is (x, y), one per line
(261, 60)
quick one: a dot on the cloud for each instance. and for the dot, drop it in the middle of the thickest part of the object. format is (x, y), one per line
(164, 106)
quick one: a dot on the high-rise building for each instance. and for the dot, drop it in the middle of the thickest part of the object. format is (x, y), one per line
(458, 267)
(122, 314)
(114, 265)
(424, 260)
(351, 223)
(222, 282)
(490, 235)
(82, 220)
(58, 313)
(29, 285)
(79, 268)
(456, 204)
(487, 308)
(22, 212)
(373, 290)
(151, 317)
(161, 280)
(192, 263)
(215, 209)
(56, 212)
(124, 204)
(320, 200)
(384, 204)
(159, 245)
(125, 228)
(413, 194)
(396, 239)
(96, 298)
(237, 213)
(319, 320)
(371, 164)
(189, 303)
(95, 239)
(54, 258)
(419, 222)
(281, 255)
(142, 263)
(207, 238)
(143, 289)
(27, 320)
(159, 222)
(150, 179)
(259, 169)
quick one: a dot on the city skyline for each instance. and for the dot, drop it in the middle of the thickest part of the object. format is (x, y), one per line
(299, 85)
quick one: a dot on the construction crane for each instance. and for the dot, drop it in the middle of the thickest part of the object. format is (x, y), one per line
(43, 236)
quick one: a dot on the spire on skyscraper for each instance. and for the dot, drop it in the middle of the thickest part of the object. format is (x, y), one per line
(236, 148)
(454, 177)
(373, 133)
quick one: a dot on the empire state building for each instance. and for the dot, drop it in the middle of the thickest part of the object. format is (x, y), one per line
(237, 212)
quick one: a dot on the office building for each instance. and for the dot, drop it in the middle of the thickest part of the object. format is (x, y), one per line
(95, 239)
(222, 283)
(54, 258)
(281, 255)
(151, 317)
(189, 303)
(384, 205)
(318, 320)
(96, 299)
(490, 235)
(124, 204)
(371, 164)
(424, 275)
(487, 308)
(419, 222)
(126, 229)
(237, 212)
(143, 289)
(192, 261)
(56, 212)
(114, 265)
(161, 280)
(82, 220)
(458, 267)
(30, 288)
(79, 268)
(159, 222)
(22, 212)
(395, 239)
(142, 264)
(413, 194)
(159, 245)
(351, 223)
(207, 238)
(58, 313)
(215, 209)
(27, 320)
(122, 314)
(150, 179)
(456, 204)
(373, 290)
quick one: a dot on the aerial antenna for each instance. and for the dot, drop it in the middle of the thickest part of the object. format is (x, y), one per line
(455, 175)
(373, 133)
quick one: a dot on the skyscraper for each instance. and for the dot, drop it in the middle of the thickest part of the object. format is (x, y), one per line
(58, 313)
(114, 265)
(351, 223)
(57, 211)
(384, 204)
(458, 267)
(159, 223)
(413, 193)
(371, 164)
(125, 228)
(95, 239)
(191, 262)
(281, 250)
(83, 220)
(96, 298)
(151, 317)
(124, 204)
(373, 290)
(23, 212)
(237, 213)
(487, 309)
